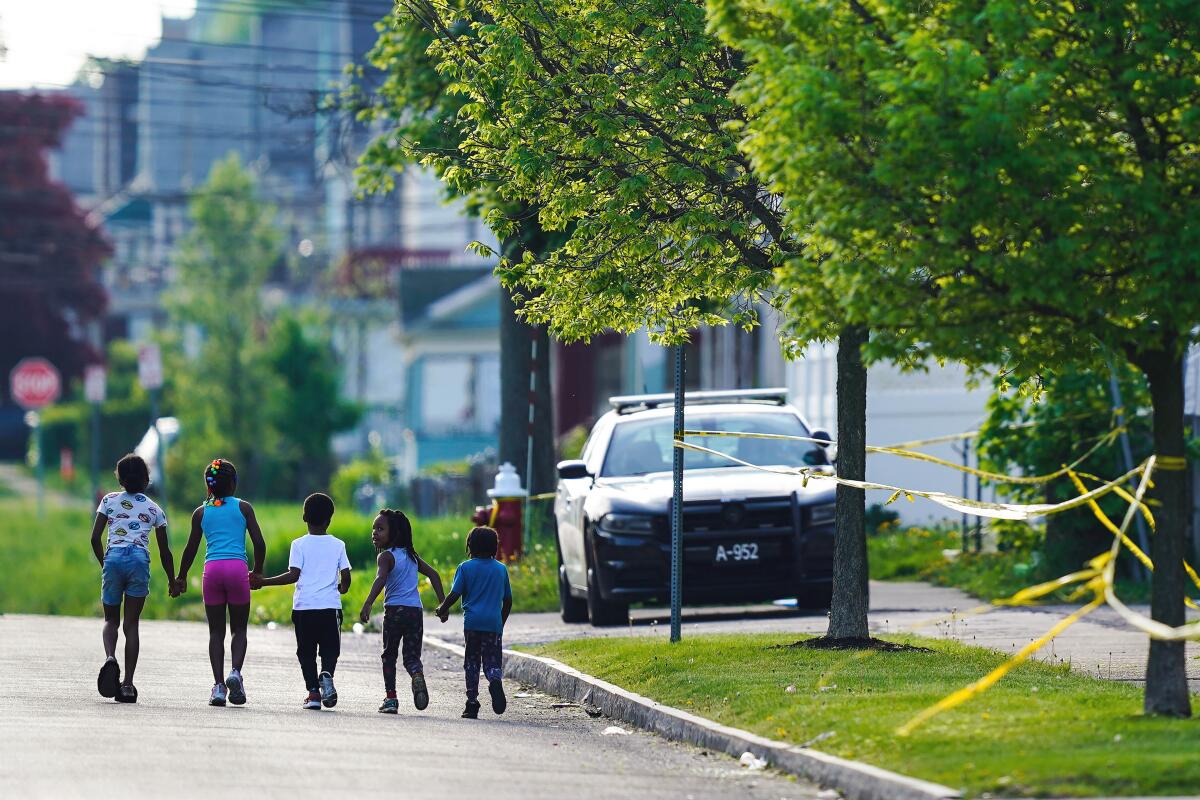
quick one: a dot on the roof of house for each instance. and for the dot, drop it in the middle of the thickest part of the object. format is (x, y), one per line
(447, 297)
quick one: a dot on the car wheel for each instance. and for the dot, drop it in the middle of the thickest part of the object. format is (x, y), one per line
(817, 597)
(601, 612)
(570, 608)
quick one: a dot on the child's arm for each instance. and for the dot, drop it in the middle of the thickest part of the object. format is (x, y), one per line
(190, 549)
(344, 581)
(165, 557)
(443, 610)
(435, 580)
(383, 566)
(98, 529)
(282, 579)
(507, 606)
(256, 538)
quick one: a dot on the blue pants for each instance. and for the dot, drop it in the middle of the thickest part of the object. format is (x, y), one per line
(126, 572)
(483, 649)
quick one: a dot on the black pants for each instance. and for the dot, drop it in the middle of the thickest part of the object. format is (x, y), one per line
(402, 625)
(317, 628)
(483, 648)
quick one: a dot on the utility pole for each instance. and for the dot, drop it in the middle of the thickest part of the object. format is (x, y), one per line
(677, 503)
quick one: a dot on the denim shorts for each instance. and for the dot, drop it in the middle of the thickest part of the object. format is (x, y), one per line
(126, 572)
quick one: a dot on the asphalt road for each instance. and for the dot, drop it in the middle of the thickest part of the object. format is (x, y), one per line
(60, 739)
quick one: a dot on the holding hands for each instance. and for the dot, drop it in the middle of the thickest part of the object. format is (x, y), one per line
(256, 580)
(442, 612)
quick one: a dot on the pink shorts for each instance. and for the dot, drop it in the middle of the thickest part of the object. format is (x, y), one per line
(226, 581)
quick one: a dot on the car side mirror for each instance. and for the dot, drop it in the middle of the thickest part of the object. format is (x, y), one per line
(573, 469)
(823, 438)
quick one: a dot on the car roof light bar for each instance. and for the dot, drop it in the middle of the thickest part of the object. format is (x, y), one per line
(634, 402)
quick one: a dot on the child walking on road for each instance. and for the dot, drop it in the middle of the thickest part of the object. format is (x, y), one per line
(319, 567)
(223, 521)
(398, 568)
(125, 569)
(482, 583)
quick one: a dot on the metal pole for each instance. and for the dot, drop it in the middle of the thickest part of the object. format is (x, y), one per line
(677, 503)
(1127, 456)
(533, 354)
(95, 450)
(41, 465)
(966, 487)
(158, 441)
(978, 499)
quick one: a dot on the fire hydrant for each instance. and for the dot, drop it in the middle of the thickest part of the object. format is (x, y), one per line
(504, 514)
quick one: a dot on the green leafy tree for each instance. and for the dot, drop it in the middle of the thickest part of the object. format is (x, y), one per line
(222, 376)
(1036, 436)
(413, 103)
(611, 122)
(306, 408)
(1008, 183)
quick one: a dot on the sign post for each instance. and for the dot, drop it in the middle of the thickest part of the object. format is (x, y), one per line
(150, 376)
(95, 388)
(35, 384)
(677, 504)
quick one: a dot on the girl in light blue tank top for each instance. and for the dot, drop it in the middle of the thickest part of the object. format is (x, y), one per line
(223, 522)
(398, 571)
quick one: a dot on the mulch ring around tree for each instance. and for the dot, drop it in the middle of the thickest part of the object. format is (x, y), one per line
(853, 643)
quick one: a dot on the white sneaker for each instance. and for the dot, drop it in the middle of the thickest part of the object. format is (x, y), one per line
(328, 693)
(313, 701)
(218, 695)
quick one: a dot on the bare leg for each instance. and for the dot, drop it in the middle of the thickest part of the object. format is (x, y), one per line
(239, 619)
(216, 640)
(112, 618)
(133, 612)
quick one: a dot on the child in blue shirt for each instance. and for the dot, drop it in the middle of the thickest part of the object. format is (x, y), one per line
(482, 583)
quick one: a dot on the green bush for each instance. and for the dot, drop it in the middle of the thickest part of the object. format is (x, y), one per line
(374, 468)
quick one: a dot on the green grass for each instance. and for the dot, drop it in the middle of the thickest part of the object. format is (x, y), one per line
(54, 572)
(915, 554)
(1043, 730)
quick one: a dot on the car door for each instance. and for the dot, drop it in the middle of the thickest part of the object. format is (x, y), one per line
(568, 510)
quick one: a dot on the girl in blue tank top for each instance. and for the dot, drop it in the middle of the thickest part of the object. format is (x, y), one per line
(398, 568)
(223, 522)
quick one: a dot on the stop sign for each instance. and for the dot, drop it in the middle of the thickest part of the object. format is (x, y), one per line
(34, 383)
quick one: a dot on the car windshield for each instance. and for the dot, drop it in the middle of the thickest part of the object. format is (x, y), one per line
(639, 447)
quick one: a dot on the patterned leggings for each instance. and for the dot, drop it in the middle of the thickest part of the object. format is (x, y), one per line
(401, 624)
(482, 647)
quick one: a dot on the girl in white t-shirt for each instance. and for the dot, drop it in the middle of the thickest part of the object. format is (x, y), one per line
(319, 567)
(398, 571)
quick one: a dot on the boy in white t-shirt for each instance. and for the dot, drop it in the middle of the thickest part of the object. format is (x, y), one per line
(321, 571)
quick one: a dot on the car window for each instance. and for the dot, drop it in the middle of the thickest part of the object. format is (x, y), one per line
(640, 447)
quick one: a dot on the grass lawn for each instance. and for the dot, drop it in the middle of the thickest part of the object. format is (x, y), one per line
(54, 571)
(1041, 731)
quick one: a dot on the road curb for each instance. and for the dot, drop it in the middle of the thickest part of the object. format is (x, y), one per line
(853, 779)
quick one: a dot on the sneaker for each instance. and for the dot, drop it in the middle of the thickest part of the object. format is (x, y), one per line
(236, 687)
(390, 706)
(472, 710)
(109, 680)
(313, 701)
(218, 695)
(328, 693)
(127, 693)
(499, 701)
(420, 692)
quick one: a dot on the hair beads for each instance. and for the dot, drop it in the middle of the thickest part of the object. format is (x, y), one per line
(220, 476)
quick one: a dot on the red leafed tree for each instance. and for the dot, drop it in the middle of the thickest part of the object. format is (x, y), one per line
(50, 253)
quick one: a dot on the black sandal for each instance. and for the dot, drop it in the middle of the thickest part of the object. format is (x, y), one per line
(127, 693)
(109, 680)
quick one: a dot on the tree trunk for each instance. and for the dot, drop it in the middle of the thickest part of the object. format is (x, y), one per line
(1166, 674)
(848, 611)
(516, 339)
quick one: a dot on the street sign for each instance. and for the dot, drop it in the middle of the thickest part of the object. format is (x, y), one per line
(95, 383)
(150, 373)
(34, 383)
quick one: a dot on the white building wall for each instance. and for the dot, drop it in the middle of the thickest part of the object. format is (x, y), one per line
(901, 407)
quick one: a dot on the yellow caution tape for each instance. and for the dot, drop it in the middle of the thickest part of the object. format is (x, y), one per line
(980, 508)
(995, 477)
(1172, 463)
(542, 496)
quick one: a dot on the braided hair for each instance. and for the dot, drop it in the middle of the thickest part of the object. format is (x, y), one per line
(399, 531)
(221, 478)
